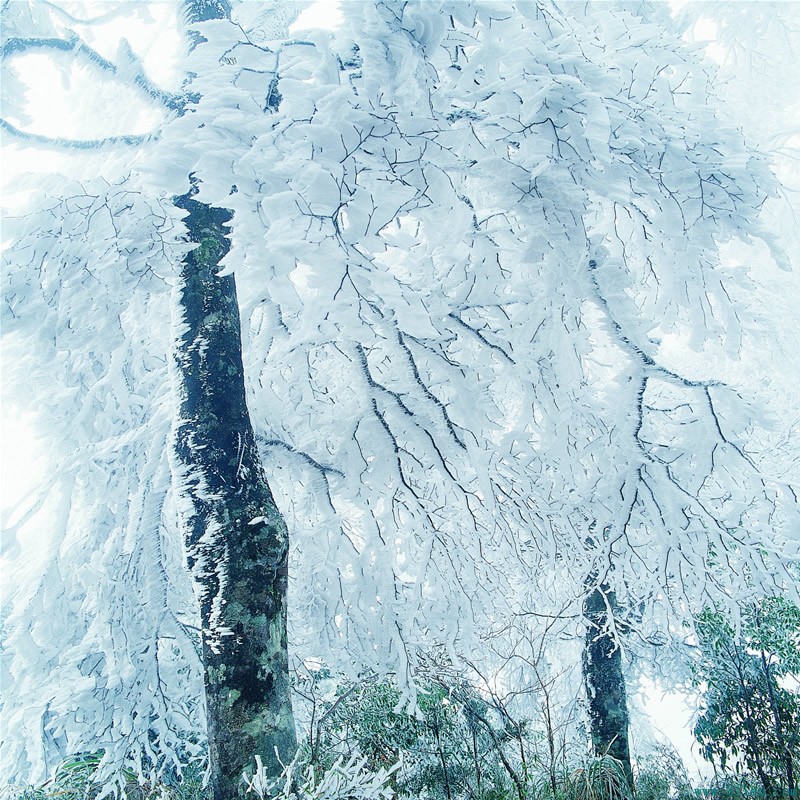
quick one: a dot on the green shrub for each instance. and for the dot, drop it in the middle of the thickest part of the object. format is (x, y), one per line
(453, 746)
(664, 778)
(750, 723)
(731, 787)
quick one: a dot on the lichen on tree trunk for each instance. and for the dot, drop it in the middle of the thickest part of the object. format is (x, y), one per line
(236, 540)
(604, 680)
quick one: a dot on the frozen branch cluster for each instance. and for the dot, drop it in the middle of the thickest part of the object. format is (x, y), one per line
(470, 241)
(99, 636)
(465, 237)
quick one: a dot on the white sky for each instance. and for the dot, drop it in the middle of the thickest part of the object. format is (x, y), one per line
(319, 14)
(21, 464)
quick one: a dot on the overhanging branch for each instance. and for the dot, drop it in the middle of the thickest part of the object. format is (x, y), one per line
(76, 144)
(74, 44)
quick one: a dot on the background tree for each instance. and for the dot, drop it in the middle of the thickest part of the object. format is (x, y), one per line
(604, 679)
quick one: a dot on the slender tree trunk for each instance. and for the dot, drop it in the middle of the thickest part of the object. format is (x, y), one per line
(551, 744)
(442, 759)
(236, 540)
(476, 764)
(605, 682)
(498, 746)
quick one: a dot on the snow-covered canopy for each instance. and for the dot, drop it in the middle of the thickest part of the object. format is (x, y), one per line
(475, 245)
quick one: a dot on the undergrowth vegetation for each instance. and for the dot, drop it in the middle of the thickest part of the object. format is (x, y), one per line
(468, 741)
(368, 775)
(351, 779)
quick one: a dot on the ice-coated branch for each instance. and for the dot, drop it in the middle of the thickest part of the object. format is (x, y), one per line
(479, 335)
(15, 46)
(426, 390)
(77, 144)
(122, 7)
(323, 468)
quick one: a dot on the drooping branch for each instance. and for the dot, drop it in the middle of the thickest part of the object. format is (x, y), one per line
(106, 17)
(16, 46)
(77, 144)
(305, 457)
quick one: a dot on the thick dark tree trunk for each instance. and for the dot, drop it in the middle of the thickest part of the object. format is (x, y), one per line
(237, 543)
(236, 540)
(604, 681)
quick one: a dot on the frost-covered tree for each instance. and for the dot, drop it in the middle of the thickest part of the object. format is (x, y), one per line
(236, 542)
(586, 207)
(574, 139)
(353, 195)
(471, 242)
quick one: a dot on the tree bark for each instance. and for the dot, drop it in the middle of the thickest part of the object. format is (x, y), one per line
(236, 540)
(237, 543)
(604, 681)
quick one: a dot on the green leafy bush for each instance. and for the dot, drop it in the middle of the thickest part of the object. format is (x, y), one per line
(730, 787)
(664, 777)
(750, 723)
(451, 747)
